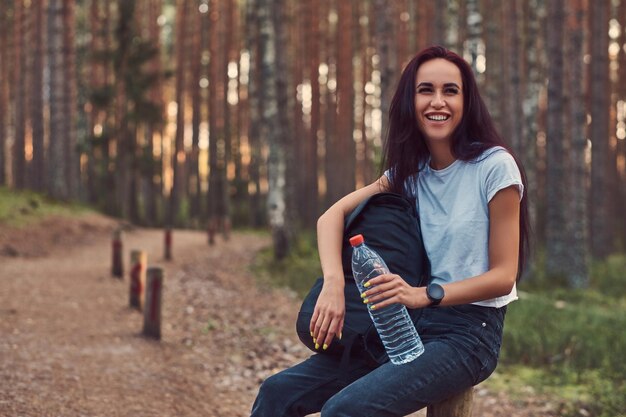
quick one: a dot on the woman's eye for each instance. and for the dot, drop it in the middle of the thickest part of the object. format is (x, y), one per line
(424, 90)
(451, 90)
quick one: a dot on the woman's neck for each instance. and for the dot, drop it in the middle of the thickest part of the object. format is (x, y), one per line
(441, 157)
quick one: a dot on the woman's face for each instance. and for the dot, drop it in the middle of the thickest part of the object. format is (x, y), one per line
(438, 99)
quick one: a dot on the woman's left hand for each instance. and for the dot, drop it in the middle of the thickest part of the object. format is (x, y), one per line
(388, 289)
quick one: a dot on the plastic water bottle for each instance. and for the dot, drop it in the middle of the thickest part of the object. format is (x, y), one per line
(393, 323)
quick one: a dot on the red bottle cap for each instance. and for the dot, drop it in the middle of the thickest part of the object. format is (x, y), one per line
(356, 240)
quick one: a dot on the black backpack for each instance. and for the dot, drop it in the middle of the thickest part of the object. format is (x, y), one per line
(390, 226)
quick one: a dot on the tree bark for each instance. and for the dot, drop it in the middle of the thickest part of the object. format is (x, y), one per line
(601, 242)
(274, 93)
(56, 165)
(20, 33)
(72, 172)
(556, 245)
(37, 115)
(5, 27)
(578, 236)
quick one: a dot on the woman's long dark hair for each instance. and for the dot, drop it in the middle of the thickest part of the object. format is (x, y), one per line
(405, 150)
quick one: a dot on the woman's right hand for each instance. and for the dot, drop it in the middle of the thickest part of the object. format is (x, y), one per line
(328, 315)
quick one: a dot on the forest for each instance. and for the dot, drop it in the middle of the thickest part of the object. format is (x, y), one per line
(261, 113)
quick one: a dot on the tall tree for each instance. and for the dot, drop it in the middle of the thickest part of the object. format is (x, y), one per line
(274, 93)
(513, 84)
(533, 83)
(556, 244)
(255, 140)
(387, 53)
(178, 156)
(69, 99)
(601, 241)
(36, 97)
(20, 34)
(577, 233)
(342, 167)
(56, 166)
(5, 27)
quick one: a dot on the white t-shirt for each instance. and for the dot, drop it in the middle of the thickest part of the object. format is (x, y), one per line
(454, 215)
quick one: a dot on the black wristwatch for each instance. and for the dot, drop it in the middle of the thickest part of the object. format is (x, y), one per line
(435, 293)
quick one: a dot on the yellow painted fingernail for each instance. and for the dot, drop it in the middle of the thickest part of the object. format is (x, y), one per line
(325, 346)
(367, 300)
(373, 307)
(311, 334)
(363, 295)
(340, 336)
(314, 340)
(317, 346)
(367, 284)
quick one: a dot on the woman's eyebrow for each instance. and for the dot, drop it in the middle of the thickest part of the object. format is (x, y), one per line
(429, 84)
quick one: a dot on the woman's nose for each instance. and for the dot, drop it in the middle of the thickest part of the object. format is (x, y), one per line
(438, 100)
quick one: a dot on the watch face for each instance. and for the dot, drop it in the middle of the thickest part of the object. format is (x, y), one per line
(435, 292)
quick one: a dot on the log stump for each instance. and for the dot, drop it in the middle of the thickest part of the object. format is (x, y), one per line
(137, 290)
(459, 405)
(153, 301)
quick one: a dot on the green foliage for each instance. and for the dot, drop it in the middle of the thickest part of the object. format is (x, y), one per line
(297, 271)
(609, 276)
(20, 208)
(574, 339)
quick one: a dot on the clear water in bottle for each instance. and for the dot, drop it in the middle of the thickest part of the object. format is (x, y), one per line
(393, 323)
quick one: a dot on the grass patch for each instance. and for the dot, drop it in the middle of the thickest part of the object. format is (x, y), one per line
(22, 208)
(297, 271)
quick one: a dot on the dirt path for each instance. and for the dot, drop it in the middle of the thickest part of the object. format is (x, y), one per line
(70, 346)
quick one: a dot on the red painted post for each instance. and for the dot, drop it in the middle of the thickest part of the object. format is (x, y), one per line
(168, 244)
(138, 265)
(152, 307)
(117, 267)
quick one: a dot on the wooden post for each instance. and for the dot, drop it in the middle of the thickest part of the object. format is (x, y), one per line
(168, 244)
(138, 265)
(117, 267)
(152, 307)
(211, 231)
(458, 406)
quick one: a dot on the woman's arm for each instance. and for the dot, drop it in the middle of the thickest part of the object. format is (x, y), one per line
(504, 235)
(327, 320)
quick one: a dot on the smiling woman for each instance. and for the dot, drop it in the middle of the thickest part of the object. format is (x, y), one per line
(442, 152)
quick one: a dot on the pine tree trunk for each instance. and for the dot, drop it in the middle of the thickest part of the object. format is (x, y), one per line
(514, 90)
(387, 52)
(5, 26)
(72, 171)
(216, 107)
(56, 161)
(492, 12)
(599, 130)
(195, 59)
(533, 84)
(178, 156)
(37, 116)
(556, 245)
(310, 189)
(274, 93)
(578, 237)
(257, 217)
(20, 33)
(343, 181)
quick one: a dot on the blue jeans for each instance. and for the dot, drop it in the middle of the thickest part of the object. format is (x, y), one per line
(461, 343)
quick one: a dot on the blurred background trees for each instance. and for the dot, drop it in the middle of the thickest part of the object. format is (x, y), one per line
(207, 113)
